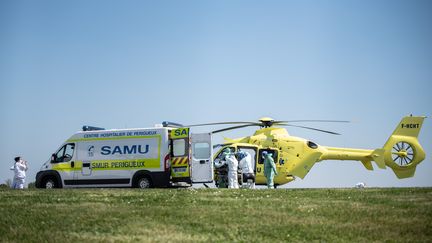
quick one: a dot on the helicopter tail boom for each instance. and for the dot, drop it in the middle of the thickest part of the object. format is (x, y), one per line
(364, 155)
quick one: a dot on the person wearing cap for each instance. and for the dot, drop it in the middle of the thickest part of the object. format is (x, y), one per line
(269, 168)
(20, 167)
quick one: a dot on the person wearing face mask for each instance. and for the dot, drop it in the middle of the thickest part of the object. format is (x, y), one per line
(232, 169)
(269, 168)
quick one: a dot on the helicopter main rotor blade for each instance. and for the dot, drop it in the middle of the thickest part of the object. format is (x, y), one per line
(311, 128)
(257, 123)
(220, 123)
(235, 127)
(310, 121)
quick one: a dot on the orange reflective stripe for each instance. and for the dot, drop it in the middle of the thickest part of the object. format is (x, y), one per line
(180, 161)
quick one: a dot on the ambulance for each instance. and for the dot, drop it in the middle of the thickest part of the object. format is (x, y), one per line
(146, 157)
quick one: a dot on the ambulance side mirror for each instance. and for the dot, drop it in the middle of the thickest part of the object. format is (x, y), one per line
(53, 158)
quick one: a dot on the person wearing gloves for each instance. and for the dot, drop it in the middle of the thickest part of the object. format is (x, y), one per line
(245, 163)
(20, 167)
(269, 168)
(232, 169)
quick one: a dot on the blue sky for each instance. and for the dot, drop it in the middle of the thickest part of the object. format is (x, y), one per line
(124, 64)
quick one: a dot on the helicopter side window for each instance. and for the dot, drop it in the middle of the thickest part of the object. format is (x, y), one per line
(261, 158)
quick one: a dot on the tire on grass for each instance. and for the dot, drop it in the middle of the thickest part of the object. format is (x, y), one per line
(143, 182)
(50, 182)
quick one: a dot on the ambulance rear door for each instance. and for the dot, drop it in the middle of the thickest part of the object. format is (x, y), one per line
(201, 158)
(180, 169)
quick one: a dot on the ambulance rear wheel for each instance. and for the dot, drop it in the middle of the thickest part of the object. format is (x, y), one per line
(143, 182)
(49, 183)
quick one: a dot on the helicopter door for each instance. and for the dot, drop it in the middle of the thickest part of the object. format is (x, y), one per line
(202, 158)
(252, 151)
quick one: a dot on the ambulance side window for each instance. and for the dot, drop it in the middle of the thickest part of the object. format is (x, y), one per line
(65, 154)
(179, 147)
(69, 150)
(202, 150)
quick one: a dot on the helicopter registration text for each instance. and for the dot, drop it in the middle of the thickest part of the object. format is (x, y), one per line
(411, 125)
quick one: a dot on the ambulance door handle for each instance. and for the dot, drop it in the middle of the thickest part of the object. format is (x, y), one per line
(72, 164)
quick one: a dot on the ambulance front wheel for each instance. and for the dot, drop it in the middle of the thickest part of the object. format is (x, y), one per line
(143, 182)
(49, 183)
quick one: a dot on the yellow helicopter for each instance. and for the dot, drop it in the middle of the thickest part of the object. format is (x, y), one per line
(295, 157)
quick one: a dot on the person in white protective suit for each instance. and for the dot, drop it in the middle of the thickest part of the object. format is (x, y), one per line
(245, 163)
(20, 167)
(232, 169)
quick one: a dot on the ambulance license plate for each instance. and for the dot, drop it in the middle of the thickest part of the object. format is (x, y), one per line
(180, 170)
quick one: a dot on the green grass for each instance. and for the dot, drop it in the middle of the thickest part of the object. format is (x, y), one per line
(179, 215)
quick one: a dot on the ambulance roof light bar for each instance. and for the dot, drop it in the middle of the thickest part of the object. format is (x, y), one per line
(90, 128)
(171, 124)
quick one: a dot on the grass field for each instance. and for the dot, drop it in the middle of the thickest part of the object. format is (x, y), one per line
(179, 215)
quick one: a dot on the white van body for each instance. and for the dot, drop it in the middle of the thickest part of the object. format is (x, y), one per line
(117, 158)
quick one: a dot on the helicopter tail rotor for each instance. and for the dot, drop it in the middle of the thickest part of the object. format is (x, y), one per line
(403, 151)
